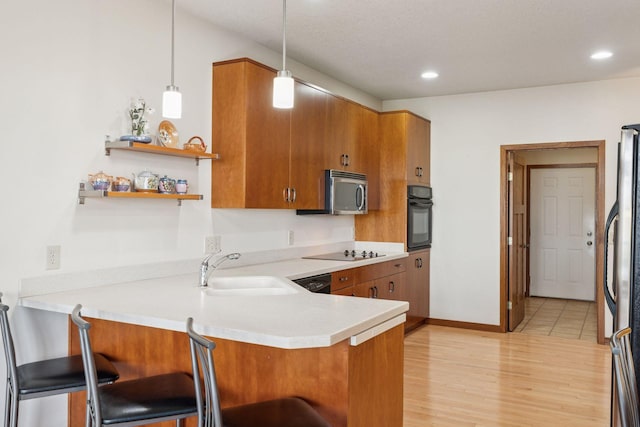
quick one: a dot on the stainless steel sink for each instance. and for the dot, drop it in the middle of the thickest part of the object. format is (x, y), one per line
(249, 286)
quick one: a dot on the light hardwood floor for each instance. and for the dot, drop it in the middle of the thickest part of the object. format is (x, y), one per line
(458, 377)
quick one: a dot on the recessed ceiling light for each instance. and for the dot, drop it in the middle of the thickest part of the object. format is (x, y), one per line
(429, 75)
(603, 54)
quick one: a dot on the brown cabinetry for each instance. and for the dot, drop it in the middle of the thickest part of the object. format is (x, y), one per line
(418, 134)
(418, 285)
(268, 156)
(385, 280)
(273, 158)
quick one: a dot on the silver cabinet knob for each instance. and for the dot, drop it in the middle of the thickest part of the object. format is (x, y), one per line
(589, 234)
(589, 243)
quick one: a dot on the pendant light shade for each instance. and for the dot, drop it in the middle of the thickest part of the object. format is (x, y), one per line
(172, 103)
(283, 87)
(283, 90)
(172, 98)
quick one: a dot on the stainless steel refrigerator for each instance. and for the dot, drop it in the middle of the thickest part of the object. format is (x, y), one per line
(622, 289)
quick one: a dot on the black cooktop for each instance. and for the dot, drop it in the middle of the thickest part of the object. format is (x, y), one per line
(346, 255)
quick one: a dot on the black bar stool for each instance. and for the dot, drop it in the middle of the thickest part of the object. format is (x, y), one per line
(45, 377)
(134, 402)
(285, 412)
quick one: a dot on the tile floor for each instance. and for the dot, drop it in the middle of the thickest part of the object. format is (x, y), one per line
(559, 317)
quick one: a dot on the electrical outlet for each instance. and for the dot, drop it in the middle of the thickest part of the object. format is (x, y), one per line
(53, 257)
(212, 244)
(290, 237)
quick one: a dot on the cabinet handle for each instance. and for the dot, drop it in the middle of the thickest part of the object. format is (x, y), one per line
(371, 294)
(397, 265)
(375, 292)
(343, 278)
(343, 160)
(295, 195)
(347, 157)
(417, 262)
(417, 171)
(392, 287)
(420, 259)
(285, 194)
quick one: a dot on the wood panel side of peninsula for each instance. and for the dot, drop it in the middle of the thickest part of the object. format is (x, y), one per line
(351, 386)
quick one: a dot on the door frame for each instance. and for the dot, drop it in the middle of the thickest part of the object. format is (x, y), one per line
(599, 218)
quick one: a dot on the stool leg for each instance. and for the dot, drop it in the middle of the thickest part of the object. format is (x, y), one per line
(7, 406)
(14, 411)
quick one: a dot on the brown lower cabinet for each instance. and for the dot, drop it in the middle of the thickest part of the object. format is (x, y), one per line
(350, 386)
(418, 287)
(401, 280)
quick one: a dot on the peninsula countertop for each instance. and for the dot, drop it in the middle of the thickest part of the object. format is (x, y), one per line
(300, 319)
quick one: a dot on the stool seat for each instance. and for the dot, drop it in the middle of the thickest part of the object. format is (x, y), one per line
(45, 376)
(161, 396)
(285, 412)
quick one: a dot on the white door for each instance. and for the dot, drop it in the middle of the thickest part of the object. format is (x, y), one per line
(562, 243)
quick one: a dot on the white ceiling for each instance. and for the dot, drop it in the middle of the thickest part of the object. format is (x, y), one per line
(382, 46)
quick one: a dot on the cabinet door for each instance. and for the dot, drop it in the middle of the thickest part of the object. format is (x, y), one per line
(365, 290)
(268, 135)
(418, 283)
(366, 157)
(307, 147)
(418, 150)
(341, 134)
(251, 136)
(392, 287)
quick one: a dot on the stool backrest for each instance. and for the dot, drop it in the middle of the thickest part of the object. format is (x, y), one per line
(208, 400)
(9, 349)
(625, 377)
(90, 374)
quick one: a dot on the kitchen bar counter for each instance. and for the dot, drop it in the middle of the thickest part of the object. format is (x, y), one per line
(298, 320)
(342, 354)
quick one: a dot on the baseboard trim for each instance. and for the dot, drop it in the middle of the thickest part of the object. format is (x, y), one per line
(464, 325)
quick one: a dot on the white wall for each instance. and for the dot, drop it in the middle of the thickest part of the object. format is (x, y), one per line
(466, 134)
(69, 69)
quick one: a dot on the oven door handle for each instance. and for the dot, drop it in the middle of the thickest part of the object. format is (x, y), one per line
(420, 204)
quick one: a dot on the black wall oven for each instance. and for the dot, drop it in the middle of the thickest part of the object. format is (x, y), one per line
(419, 217)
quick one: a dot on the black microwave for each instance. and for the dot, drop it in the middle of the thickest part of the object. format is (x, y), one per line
(345, 193)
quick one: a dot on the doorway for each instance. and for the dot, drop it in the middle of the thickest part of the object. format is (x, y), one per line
(515, 278)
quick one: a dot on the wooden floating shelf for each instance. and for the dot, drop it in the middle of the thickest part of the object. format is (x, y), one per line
(156, 149)
(83, 194)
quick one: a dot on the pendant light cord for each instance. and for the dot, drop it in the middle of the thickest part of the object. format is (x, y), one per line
(284, 34)
(173, 24)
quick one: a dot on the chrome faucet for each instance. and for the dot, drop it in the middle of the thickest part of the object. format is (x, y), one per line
(205, 267)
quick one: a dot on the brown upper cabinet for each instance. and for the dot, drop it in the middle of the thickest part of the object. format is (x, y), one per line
(271, 158)
(411, 134)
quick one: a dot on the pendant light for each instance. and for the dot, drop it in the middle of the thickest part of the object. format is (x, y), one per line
(172, 98)
(283, 82)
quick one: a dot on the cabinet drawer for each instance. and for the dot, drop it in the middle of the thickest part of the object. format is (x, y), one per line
(344, 278)
(375, 271)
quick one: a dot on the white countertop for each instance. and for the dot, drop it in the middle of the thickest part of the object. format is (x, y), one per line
(298, 320)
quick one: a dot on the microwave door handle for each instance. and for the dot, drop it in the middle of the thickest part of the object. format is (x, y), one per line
(360, 190)
(608, 296)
